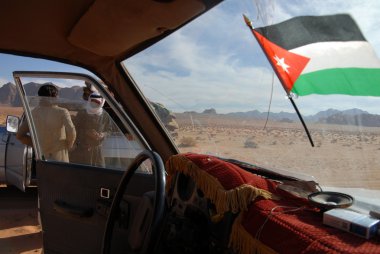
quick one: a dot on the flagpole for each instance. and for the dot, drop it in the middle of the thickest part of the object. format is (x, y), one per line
(249, 24)
(303, 123)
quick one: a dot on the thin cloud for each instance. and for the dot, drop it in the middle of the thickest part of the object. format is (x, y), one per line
(3, 81)
(216, 62)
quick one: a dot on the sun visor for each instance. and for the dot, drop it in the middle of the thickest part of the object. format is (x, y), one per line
(110, 27)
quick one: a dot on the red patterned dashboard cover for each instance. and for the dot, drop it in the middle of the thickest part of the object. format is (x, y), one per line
(270, 220)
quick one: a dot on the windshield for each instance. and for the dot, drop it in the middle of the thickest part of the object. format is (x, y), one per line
(220, 96)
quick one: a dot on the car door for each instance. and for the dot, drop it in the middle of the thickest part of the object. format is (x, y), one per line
(18, 162)
(75, 191)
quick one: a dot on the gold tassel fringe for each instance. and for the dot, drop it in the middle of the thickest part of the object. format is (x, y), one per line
(242, 242)
(233, 200)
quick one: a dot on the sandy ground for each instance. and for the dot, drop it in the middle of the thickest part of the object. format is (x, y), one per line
(20, 232)
(341, 157)
(19, 228)
(7, 110)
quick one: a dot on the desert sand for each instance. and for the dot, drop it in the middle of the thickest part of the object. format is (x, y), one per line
(20, 231)
(7, 110)
(340, 157)
(213, 134)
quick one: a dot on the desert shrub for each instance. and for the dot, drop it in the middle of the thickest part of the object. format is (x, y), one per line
(187, 142)
(249, 143)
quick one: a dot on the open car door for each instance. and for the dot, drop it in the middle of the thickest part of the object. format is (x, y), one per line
(76, 190)
(18, 162)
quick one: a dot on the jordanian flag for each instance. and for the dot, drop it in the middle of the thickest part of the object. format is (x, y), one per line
(321, 55)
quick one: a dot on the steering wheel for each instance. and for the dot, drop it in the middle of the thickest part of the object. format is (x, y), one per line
(159, 201)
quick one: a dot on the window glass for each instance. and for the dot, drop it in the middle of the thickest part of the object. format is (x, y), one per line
(74, 123)
(224, 99)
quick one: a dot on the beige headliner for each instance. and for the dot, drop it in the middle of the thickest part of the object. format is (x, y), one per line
(97, 34)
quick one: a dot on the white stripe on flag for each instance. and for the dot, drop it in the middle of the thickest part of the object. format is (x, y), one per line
(328, 55)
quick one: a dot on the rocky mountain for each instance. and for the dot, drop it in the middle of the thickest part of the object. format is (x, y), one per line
(320, 116)
(263, 115)
(30, 88)
(210, 111)
(9, 95)
(331, 116)
(362, 119)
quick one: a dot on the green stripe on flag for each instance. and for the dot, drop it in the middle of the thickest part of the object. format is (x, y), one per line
(349, 81)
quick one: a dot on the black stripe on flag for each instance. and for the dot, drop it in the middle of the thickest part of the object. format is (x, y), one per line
(303, 30)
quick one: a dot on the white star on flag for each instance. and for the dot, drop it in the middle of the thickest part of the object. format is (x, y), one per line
(281, 62)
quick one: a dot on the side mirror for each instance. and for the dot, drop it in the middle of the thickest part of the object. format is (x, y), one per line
(12, 124)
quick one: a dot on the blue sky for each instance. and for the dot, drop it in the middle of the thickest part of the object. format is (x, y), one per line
(218, 50)
(9, 63)
(219, 45)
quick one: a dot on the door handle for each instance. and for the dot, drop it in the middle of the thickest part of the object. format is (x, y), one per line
(72, 210)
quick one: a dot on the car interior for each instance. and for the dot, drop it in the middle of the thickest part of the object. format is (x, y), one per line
(161, 190)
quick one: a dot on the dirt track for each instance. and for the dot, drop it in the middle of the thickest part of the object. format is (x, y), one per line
(19, 228)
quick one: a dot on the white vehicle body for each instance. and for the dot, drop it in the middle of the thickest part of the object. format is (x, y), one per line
(15, 161)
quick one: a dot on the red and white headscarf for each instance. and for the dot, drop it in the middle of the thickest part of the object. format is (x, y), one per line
(95, 104)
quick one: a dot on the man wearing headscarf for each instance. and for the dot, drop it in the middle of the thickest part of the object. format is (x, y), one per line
(92, 125)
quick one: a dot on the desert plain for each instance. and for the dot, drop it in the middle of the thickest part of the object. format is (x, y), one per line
(341, 156)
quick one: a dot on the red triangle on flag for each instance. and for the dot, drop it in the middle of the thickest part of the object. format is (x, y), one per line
(287, 65)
